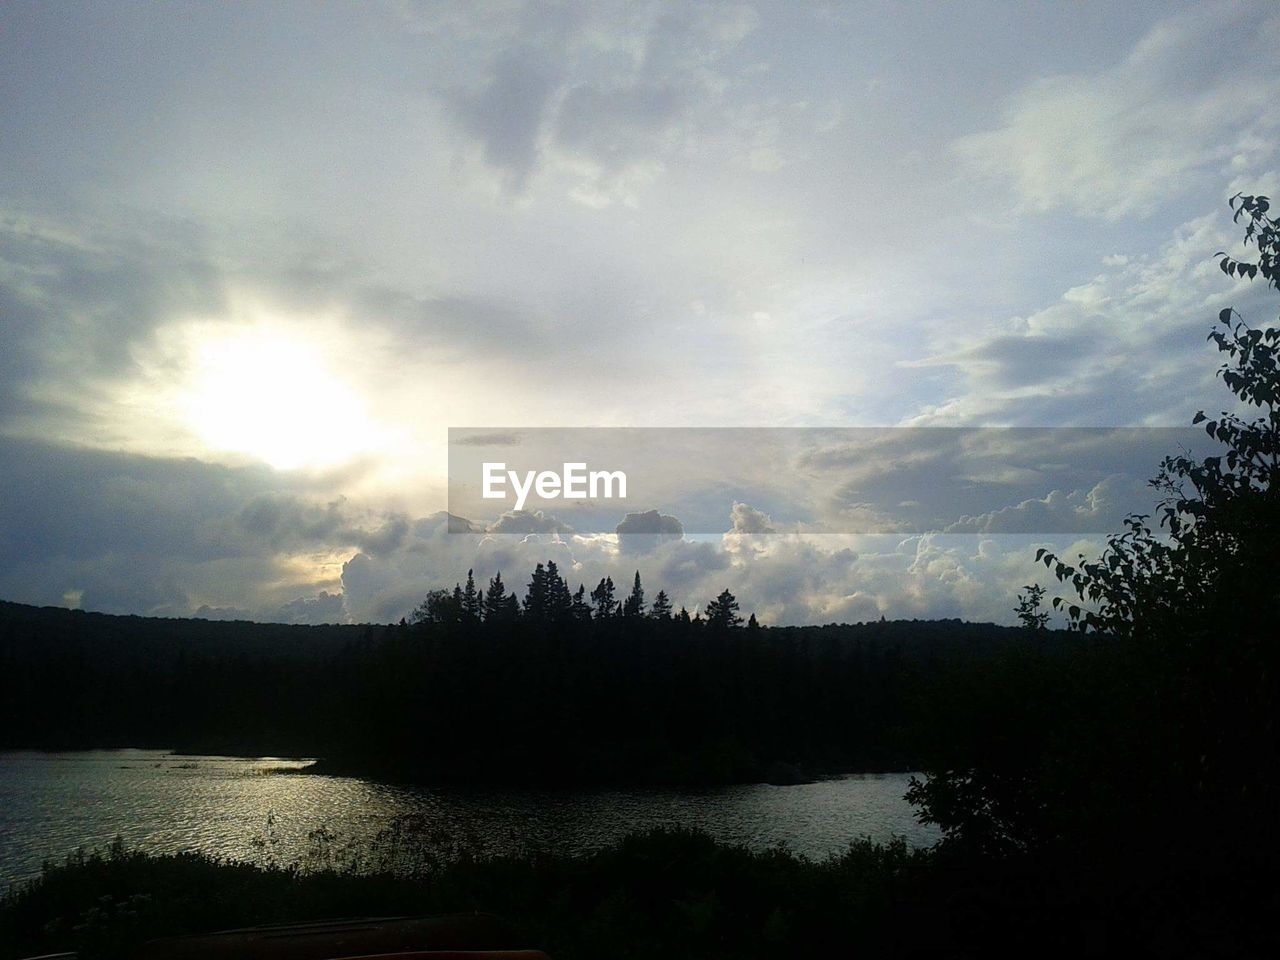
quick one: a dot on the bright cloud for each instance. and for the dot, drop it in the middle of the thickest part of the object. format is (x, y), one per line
(1192, 103)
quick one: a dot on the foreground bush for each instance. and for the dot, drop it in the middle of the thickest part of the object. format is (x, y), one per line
(667, 893)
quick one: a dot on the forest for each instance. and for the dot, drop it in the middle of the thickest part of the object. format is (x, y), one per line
(477, 687)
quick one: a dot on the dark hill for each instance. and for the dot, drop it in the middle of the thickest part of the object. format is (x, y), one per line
(615, 700)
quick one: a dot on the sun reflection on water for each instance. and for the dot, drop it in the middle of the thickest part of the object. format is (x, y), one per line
(266, 809)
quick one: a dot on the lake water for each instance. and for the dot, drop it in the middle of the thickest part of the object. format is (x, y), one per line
(52, 803)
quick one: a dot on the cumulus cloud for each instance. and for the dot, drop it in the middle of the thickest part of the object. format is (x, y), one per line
(528, 521)
(1102, 508)
(185, 538)
(123, 533)
(784, 578)
(641, 532)
(747, 519)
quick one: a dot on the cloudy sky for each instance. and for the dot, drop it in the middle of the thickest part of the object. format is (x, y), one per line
(256, 260)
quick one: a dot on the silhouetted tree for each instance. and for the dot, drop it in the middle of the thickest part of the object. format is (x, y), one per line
(440, 606)
(1028, 610)
(722, 612)
(537, 602)
(1172, 722)
(633, 606)
(602, 597)
(472, 600)
(661, 609)
(580, 610)
(499, 605)
(559, 600)
(1220, 523)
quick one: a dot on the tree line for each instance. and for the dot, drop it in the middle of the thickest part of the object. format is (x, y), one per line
(618, 698)
(547, 600)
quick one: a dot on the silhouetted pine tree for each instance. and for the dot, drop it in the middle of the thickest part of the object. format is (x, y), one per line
(498, 605)
(602, 597)
(580, 610)
(634, 604)
(722, 612)
(536, 598)
(559, 600)
(472, 600)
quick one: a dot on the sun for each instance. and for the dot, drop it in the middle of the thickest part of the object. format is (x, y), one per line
(272, 393)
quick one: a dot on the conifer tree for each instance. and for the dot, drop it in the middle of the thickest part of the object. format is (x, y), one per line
(535, 598)
(580, 610)
(634, 604)
(722, 612)
(497, 604)
(602, 597)
(472, 600)
(559, 601)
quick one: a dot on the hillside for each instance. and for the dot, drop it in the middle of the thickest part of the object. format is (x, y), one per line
(618, 700)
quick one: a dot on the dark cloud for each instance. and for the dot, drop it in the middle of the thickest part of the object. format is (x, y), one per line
(74, 501)
(688, 568)
(995, 479)
(138, 534)
(495, 439)
(1014, 361)
(642, 532)
(77, 297)
(288, 521)
(506, 115)
(616, 125)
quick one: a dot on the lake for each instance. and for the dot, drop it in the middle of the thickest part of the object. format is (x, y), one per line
(52, 803)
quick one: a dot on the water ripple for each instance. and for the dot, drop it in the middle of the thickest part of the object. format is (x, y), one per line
(50, 804)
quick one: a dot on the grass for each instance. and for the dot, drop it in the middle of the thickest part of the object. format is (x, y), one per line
(665, 893)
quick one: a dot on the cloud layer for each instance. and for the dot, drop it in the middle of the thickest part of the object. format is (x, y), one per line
(255, 263)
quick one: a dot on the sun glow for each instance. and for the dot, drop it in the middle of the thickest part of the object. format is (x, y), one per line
(270, 393)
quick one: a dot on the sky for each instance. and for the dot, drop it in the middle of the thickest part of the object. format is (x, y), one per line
(256, 260)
